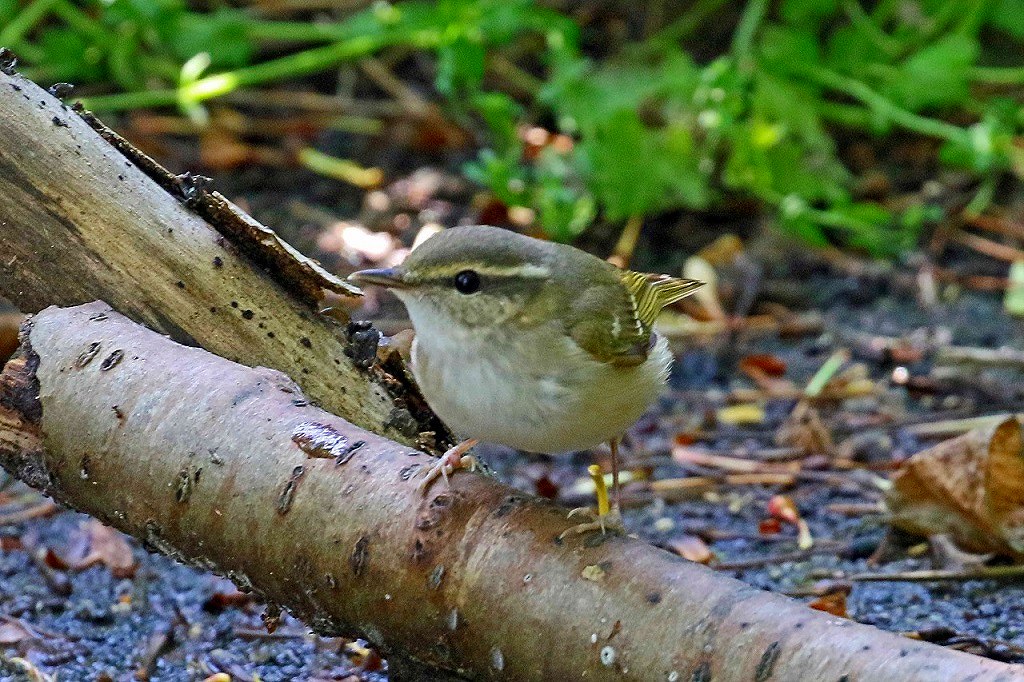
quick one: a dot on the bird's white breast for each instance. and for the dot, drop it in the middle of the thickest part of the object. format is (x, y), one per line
(539, 393)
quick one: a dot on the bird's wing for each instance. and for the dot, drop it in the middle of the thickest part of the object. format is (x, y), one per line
(613, 322)
(651, 293)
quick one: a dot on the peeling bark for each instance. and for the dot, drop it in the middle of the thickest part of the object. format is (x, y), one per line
(229, 468)
(85, 216)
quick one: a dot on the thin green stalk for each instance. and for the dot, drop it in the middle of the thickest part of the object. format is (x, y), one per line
(294, 65)
(81, 22)
(681, 28)
(998, 75)
(861, 21)
(297, 31)
(848, 115)
(983, 197)
(884, 107)
(883, 11)
(825, 373)
(970, 21)
(26, 51)
(750, 21)
(20, 25)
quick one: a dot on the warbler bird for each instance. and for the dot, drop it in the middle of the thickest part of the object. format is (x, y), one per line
(531, 344)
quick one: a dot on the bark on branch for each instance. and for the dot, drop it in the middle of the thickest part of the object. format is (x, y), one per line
(84, 216)
(228, 468)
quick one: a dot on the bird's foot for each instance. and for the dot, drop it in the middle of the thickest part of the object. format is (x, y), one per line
(455, 458)
(609, 523)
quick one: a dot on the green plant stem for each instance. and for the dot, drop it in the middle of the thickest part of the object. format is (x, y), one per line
(998, 75)
(26, 50)
(848, 115)
(825, 373)
(298, 64)
(884, 107)
(883, 11)
(297, 32)
(81, 22)
(983, 197)
(971, 20)
(20, 25)
(681, 28)
(750, 21)
(861, 21)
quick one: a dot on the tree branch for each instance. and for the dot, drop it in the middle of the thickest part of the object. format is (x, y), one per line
(227, 468)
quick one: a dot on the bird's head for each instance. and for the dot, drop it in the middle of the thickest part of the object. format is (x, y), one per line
(475, 278)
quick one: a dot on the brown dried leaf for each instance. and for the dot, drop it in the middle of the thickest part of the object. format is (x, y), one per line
(100, 544)
(970, 488)
(9, 325)
(805, 431)
(834, 603)
(691, 548)
(763, 364)
(13, 631)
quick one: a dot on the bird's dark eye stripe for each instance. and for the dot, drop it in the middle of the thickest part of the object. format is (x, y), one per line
(467, 282)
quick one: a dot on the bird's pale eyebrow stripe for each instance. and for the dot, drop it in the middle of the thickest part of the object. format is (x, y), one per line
(526, 271)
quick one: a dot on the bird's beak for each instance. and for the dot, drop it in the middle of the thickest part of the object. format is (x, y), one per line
(392, 278)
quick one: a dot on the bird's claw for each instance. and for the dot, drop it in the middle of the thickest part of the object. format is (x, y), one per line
(452, 460)
(610, 523)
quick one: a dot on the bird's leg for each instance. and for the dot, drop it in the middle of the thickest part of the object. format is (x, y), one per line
(616, 490)
(609, 516)
(455, 458)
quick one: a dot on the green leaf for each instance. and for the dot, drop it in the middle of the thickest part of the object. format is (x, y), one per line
(874, 229)
(502, 174)
(807, 12)
(800, 224)
(786, 49)
(937, 75)
(1008, 16)
(635, 170)
(847, 51)
(8, 10)
(155, 12)
(585, 97)
(990, 142)
(68, 57)
(501, 113)
(460, 67)
(221, 34)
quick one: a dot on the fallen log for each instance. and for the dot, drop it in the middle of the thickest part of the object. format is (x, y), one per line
(228, 468)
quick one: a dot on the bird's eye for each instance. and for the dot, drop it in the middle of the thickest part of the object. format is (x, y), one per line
(467, 282)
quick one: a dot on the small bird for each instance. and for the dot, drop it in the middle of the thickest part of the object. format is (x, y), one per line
(531, 344)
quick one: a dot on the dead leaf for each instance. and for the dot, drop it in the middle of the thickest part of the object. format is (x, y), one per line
(100, 544)
(833, 602)
(782, 508)
(9, 325)
(744, 413)
(763, 364)
(13, 631)
(970, 488)
(947, 557)
(805, 431)
(691, 548)
(699, 269)
(722, 251)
